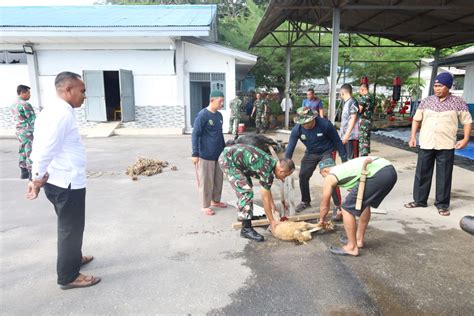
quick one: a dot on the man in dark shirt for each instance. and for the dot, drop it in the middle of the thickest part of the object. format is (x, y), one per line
(320, 138)
(208, 143)
(239, 163)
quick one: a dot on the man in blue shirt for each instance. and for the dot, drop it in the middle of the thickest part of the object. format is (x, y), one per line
(320, 138)
(208, 143)
(313, 102)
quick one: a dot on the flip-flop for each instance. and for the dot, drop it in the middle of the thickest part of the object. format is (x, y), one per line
(208, 211)
(414, 205)
(89, 280)
(219, 204)
(444, 212)
(86, 259)
(339, 251)
(343, 240)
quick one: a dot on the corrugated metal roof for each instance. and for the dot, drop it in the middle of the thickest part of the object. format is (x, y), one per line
(432, 23)
(108, 16)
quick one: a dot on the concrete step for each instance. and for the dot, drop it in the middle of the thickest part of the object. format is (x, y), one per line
(103, 129)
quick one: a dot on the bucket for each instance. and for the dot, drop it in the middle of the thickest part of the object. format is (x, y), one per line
(241, 128)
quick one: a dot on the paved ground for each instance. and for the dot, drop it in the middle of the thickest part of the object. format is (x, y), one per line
(157, 253)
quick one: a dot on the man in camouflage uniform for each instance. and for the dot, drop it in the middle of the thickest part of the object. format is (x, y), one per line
(24, 115)
(366, 111)
(241, 162)
(258, 111)
(266, 113)
(235, 109)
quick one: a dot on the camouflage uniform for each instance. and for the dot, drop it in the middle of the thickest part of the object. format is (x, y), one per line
(25, 116)
(235, 107)
(259, 109)
(239, 163)
(365, 121)
(266, 114)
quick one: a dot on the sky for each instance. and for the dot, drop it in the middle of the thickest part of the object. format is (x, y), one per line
(45, 2)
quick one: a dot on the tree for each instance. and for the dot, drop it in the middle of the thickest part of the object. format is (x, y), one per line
(414, 87)
(270, 68)
(382, 64)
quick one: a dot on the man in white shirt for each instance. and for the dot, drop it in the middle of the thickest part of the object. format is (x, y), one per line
(283, 104)
(59, 164)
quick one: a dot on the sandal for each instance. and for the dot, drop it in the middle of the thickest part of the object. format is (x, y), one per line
(219, 204)
(86, 259)
(302, 206)
(343, 240)
(414, 205)
(81, 281)
(208, 211)
(444, 212)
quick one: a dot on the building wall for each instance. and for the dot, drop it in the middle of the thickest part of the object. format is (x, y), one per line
(11, 75)
(154, 75)
(200, 59)
(161, 92)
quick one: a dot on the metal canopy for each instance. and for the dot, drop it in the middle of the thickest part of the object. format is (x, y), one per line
(430, 23)
(405, 23)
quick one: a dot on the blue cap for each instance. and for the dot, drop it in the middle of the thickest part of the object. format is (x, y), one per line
(326, 163)
(445, 78)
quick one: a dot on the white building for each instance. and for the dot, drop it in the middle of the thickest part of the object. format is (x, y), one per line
(149, 66)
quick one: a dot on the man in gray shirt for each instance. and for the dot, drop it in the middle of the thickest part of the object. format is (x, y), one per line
(349, 130)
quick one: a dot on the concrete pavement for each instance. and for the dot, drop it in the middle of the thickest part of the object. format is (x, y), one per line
(157, 253)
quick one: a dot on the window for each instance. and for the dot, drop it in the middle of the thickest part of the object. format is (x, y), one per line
(7, 57)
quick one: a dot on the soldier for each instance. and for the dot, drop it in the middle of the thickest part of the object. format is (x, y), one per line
(25, 122)
(258, 109)
(239, 163)
(266, 113)
(366, 111)
(235, 108)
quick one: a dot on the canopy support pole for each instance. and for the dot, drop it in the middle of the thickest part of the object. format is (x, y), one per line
(287, 87)
(434, 70)
(336, 23)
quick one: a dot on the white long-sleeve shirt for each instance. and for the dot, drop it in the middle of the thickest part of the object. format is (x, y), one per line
(283, 104)
(57, 147)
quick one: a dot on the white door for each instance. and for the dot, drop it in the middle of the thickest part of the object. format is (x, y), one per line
(127, 98)
(95, 96)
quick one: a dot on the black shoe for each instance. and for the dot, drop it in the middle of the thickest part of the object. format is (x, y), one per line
(302, 206)
(250, 233)
(25, 173)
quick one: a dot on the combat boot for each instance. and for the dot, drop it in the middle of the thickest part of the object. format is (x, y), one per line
(248, 231)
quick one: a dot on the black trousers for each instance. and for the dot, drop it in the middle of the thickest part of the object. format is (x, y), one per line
(70, 209)
(424, 173)
(308, 165)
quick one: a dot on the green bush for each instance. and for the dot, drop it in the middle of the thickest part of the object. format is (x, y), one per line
(275, 107)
